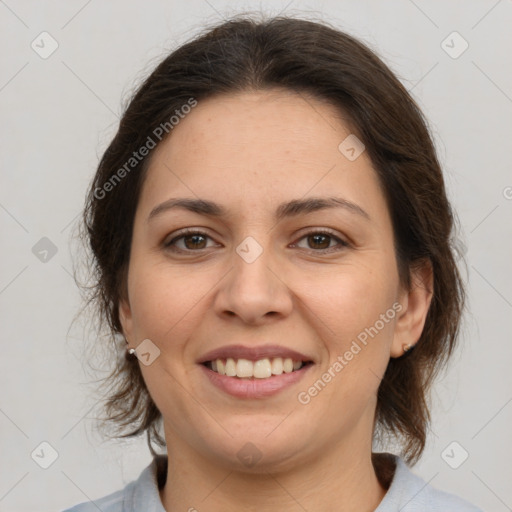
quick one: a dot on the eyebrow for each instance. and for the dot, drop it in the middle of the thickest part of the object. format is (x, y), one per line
(284, 210)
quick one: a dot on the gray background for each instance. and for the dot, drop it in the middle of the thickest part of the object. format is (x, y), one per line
(59, 113)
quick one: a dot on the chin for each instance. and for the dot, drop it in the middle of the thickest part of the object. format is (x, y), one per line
(253, 449)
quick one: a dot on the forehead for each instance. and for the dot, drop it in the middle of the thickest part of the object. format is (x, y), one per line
(260, 148)
(261, 124)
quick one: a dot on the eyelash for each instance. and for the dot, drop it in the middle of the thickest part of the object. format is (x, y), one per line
(341, 244)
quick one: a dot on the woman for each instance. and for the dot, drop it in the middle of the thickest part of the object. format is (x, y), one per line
(271, 237)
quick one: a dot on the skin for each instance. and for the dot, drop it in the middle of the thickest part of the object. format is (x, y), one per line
(249, 153)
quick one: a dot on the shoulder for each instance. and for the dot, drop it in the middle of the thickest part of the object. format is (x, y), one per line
(141, 494)
(112, 503)
(410, 493)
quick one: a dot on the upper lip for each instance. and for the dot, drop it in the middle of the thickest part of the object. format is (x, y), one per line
(253, 353)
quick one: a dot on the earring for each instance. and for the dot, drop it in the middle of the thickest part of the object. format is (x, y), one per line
(407, 347)
(131, 351)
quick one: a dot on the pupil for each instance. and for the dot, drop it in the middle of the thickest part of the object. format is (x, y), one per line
(196, 241)
(319, 241)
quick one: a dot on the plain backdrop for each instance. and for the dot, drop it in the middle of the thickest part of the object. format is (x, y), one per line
(60, 112)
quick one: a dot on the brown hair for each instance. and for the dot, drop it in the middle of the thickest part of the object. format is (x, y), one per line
(311, 58)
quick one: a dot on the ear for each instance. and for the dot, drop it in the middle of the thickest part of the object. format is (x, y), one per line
(415, 305)
(126, 319)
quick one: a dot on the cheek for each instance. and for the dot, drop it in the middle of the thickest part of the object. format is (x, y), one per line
(356, 315)
(164, 302)
(360, 318)
(353, 298)
(167, 306)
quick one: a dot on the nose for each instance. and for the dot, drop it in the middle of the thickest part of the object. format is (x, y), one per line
(253, 291)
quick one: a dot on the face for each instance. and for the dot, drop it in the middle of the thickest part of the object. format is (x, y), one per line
(256, 240)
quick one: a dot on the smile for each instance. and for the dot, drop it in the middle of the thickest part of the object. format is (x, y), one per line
(260, 369)
(253, 379)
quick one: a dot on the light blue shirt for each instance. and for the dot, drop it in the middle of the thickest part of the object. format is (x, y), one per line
(407, 493)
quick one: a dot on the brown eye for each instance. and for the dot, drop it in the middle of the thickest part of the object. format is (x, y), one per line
(321, 241)
(194, 241)
(191, 241)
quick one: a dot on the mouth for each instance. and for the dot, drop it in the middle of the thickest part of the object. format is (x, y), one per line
(265, 368)
(254, 372)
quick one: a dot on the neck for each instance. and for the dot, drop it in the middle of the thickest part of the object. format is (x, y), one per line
(342, 480)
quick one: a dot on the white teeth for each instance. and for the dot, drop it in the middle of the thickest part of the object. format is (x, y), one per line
(261, 369)
(277, 366)
(244, 368)
(230, 367)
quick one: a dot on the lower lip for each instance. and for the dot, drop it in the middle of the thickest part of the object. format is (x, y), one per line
(255, 388)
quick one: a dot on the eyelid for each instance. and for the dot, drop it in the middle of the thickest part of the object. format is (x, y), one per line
(203, 231)
(173, 237)
(323, 231)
